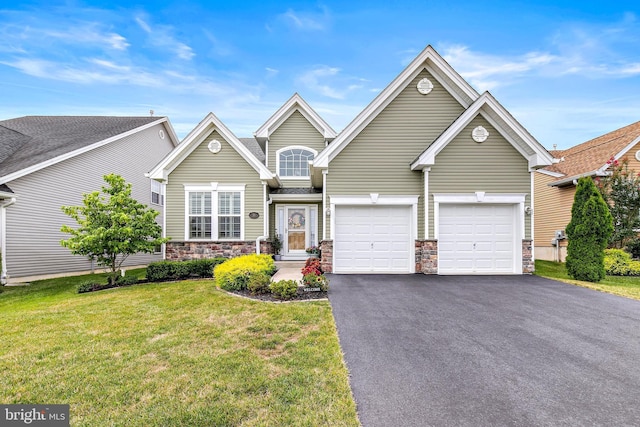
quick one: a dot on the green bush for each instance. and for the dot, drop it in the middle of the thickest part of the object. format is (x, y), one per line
(284, 289)
(89, 286)
(259, 283)
(588, 232)
(234, 274)
(177, 270)
(126, 280)
(619, 263)
(633, 247)
(316, 281)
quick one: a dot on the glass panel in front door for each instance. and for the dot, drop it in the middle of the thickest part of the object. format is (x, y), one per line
(297, 225)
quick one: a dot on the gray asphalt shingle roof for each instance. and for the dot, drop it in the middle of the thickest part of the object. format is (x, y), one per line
(255, 148)
(30, 140)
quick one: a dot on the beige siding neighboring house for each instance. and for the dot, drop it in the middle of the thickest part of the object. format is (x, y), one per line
(57, 160)
(431, 177)
(556, 184)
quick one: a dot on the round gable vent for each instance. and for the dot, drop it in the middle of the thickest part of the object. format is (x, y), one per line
(424, 86)
(479, 134)
(215, 146)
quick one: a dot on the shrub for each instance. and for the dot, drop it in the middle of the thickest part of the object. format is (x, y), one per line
(126, 280)
(633, 247)
(284, 289)
(588, 231)
(89, 286)
(312, 266)
(234, 274)
(619, 263)
(259, 283)
(175, 270)
(316, 281)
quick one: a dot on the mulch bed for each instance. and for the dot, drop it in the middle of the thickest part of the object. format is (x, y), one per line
(300, 296)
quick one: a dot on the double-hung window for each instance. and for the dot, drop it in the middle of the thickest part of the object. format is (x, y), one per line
(199, 215)
(229, 211)
(214, 212)
(157, 193)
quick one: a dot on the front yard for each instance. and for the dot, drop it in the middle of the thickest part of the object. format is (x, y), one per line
(166, 354)
(626, 286)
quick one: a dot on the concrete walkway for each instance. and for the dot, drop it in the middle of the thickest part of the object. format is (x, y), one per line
(288, 270)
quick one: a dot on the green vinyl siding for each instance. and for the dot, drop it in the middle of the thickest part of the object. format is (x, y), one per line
(296, 130)
(378, 159)
(202, 167)
(493, 166)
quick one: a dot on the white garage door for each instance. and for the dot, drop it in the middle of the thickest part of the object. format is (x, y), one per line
(372, 239)
(476, 239)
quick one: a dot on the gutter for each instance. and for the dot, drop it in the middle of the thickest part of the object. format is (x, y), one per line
(3, 239)
(573, 179)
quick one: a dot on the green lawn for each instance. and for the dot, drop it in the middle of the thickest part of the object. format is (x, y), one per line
(172, 354)
(625, 286)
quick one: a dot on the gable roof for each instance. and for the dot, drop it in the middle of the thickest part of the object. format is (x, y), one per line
(295, 103)
(428, 59)
(590, 158)
(30, 143)
(489, 108)
(162, 170)
(254, 147)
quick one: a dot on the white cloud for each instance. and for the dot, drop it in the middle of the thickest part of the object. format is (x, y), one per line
(307, 21)
(160, 36)
(313, 79)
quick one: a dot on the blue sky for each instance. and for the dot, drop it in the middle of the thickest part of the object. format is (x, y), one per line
(568, 71)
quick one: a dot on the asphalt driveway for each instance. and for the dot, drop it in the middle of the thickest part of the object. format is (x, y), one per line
(487, 351)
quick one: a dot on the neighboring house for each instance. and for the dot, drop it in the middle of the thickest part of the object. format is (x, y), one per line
(49, 161)
(430, 177)
(555, 185)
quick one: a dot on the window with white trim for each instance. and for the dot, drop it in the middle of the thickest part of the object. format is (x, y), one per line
(199, 215)
(294, 162)
(157, 193)
(229, 214)
(214, 212)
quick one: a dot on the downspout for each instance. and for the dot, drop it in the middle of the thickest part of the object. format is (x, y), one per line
(265, 209)
(324, 204)
(3, 239)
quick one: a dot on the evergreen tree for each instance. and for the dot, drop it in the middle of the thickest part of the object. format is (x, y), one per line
(588, 232)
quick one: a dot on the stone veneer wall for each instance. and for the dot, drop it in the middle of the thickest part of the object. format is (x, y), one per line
(427, 256)
(184, 251)
(326, 257)
(528, 265)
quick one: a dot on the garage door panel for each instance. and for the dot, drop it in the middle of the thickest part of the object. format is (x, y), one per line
(476, 238)
(374, 238)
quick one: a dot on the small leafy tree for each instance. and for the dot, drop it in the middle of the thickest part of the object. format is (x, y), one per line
(621, 191)
(112, 226)
(588, 232)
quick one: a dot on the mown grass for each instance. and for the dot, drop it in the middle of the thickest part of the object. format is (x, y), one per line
(626, 286)
(172, 354)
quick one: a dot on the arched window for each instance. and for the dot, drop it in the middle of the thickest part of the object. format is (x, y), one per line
(294, 162)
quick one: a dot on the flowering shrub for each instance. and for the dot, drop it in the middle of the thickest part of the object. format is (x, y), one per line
(621, 191)
(313, 250)
(312, 266)
(316, 281)
(234, 275)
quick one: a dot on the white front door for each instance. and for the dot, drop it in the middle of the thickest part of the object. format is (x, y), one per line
(373, 239)
(477, 239)
(296, 230)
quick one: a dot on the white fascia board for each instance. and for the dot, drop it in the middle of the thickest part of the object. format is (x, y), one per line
(315, 197)
(436, 65)
(538, 156)
(195, 138)
(621, 153)
(550, 173)
(294, 103)
(373, 199)
(34, 168)
(508, 198)
(5, 195)
(570, 179)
